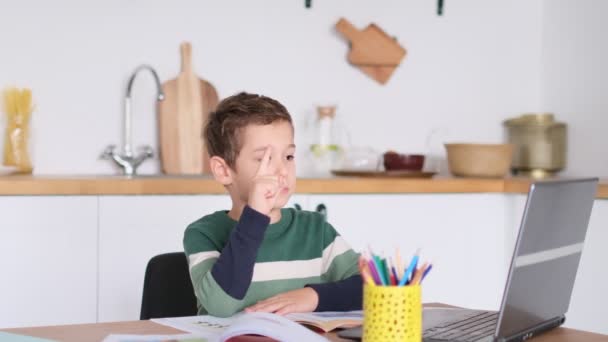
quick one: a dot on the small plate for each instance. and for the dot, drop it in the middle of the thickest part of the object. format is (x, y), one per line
(391, 174)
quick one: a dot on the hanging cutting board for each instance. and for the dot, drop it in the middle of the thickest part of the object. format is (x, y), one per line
(380, 73)
(182, 114)
(372, 50)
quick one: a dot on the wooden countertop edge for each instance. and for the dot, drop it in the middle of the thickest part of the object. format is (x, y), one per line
(348, 185)
(93, 185)
(39, 185)
(521, 186)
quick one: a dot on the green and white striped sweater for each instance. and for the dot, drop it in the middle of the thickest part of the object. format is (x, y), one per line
(300, 249)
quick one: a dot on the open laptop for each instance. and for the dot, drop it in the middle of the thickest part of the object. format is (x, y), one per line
(541, 276)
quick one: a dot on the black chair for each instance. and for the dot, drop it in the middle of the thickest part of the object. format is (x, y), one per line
(168, 289)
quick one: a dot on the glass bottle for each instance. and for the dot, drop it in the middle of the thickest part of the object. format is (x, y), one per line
(326, 151)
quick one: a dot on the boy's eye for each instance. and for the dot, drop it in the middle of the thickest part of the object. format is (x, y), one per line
(290, 157)
(259, 159)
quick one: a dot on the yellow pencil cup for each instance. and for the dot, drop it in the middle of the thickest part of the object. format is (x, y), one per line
(392, 313)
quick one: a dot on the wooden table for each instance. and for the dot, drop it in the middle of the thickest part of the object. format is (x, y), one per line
(98, 331)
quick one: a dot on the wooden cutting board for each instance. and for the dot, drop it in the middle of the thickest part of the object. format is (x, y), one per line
(182, 114)
(380, 73)
(372, 50)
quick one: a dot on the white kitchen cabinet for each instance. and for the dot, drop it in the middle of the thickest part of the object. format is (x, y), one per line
(463, 234)
(48, 253)
(133, 229)
(298, 201)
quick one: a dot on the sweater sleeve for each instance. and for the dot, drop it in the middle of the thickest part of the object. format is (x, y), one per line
(343, 295)
(342, 286)
(221, 280)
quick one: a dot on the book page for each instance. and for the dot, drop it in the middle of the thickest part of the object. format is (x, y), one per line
(198, 324)
(270, 325)
(258, 323)
(329, 320)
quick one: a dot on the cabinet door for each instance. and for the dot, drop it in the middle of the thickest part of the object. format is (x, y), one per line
(133, 229)
(589, 302)
(462, 234)
(48, 253)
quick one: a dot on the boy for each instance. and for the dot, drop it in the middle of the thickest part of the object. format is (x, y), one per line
(258, 256)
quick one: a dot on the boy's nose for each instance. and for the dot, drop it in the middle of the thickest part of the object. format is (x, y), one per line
(281, 168)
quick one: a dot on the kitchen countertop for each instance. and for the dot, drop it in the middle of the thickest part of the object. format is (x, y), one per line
(193, 185)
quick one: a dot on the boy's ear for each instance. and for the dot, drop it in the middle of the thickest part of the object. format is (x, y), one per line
(220, 169)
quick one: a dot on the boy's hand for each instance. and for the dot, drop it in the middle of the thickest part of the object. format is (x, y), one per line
(300, 300)
(265, 187)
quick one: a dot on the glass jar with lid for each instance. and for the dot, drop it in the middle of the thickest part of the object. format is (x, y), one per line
(539, 144)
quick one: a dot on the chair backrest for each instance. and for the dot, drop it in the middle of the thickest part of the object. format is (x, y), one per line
(168, 289)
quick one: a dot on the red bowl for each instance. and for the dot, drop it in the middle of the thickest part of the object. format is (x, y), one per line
(401, 161)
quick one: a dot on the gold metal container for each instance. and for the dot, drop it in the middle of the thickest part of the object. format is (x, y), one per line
(540, 144)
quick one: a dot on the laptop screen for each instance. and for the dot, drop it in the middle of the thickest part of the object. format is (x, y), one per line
(547, 254)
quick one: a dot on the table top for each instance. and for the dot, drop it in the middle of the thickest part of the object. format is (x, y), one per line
(96, 332)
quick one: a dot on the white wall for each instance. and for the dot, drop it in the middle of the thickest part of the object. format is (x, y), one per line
(467, 70)
(574, 73)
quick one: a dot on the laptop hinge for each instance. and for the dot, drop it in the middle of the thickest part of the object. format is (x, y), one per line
(534, 331)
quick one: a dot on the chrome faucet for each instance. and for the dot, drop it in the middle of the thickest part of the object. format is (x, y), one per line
(126, 160)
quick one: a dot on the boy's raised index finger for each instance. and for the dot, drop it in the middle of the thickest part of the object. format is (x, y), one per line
(265, 160)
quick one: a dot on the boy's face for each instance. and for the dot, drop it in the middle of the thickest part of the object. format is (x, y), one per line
(278, 137)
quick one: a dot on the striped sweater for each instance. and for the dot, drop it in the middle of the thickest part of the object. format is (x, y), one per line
(236, 264)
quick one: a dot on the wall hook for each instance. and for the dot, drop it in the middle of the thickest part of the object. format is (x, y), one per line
(439, 7)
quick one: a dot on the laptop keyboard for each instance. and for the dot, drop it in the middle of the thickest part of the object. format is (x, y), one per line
(467, 330)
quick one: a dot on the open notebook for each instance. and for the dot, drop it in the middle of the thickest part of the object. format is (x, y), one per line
(281, 328)
(214, 329)
(320, 321)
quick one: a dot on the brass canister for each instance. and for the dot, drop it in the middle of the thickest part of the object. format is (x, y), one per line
(539, 144)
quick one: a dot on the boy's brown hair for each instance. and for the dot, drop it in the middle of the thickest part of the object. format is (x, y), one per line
(222, 132)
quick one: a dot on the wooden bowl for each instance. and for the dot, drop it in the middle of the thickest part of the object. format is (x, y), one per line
(479, 160)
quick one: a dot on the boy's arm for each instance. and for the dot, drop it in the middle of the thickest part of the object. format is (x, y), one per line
(343, 287)
(233, 270)
(334, 295)
(221, 281)
(343, 295)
